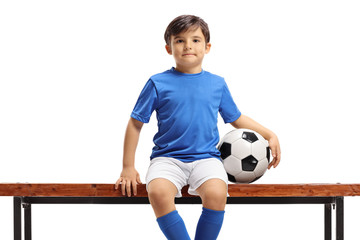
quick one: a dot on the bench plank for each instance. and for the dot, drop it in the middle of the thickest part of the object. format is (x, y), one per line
(235, 190)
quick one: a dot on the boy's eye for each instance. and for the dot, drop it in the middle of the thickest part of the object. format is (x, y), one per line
(196, 40)
(179, 41)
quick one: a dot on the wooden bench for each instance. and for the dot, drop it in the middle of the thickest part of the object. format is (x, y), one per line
(330, 195)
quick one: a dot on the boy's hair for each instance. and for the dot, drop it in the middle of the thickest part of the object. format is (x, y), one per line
(185, 22)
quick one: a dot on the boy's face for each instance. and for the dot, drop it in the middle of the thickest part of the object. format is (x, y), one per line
(188, 49)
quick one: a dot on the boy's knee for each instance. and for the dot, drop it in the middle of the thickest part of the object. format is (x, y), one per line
(214, 196)
(161, 191)
(214, 202)
(159, 195)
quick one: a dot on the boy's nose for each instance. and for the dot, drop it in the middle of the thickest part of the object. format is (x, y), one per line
(187, 46)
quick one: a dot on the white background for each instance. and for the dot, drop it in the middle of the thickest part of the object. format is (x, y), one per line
(71, 71)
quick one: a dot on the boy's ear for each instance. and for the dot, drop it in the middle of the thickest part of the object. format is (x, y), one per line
(207, 47)
(168, 49)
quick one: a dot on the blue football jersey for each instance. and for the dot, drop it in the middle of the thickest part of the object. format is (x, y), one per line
(187, 107)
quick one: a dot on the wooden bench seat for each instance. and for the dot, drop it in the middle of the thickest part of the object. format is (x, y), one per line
(330, 195)
(235, 190)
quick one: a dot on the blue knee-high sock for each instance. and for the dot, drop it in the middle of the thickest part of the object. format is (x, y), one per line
(209, 224)
(173, 226)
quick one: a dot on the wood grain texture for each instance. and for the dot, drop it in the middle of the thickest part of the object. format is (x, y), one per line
(235, 190)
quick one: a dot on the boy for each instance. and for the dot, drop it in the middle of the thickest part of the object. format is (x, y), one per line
(187, 100)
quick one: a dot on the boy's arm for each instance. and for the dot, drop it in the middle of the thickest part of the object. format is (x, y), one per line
(129, 177)
(246, 122)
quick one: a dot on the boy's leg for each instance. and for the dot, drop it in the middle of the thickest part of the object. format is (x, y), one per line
(213, 194)
(209, 180)
(161, 194)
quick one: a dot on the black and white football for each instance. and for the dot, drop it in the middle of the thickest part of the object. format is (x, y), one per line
(245, 155)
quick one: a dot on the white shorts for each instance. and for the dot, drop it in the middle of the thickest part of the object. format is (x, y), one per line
(181, 174)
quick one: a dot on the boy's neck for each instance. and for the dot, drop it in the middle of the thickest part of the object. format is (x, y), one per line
(189, 70)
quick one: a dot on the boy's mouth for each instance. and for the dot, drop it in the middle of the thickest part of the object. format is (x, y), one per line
(188, 54)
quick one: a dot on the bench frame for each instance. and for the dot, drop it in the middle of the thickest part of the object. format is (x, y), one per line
(329, 202)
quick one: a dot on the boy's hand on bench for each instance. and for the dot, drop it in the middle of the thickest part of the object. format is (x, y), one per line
(128, 180)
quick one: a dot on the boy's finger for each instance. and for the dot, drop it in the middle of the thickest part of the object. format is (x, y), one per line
(277, 160)
(117, 183)
(123, 187)
(271, 164)
(274, 152)
(279, 154)
(278, 157)
(134, 188)
(138, 180)
(128, 188)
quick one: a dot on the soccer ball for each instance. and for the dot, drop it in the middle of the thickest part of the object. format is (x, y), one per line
(245, 155)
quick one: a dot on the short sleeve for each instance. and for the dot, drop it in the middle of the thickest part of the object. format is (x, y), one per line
(228, 109)
(146, 103)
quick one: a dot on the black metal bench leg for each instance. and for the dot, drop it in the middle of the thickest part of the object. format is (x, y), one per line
(17, 218)
(339, 218)
(328, 229)
(27, 220)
